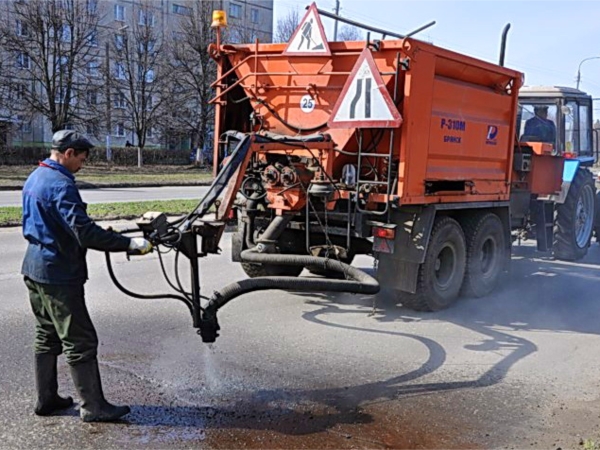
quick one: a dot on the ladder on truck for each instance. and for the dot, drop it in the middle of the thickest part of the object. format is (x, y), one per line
(368, 161)
(364, 161)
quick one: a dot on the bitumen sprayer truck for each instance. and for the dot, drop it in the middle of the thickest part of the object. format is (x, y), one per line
(422, 157)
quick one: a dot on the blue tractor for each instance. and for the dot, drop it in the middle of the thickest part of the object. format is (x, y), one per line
(562, 116)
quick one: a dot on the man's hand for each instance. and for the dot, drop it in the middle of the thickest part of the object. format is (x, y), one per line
(139, 246)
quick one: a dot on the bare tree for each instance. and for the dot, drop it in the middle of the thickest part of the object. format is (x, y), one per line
(53, 50)
(350, 33)
(138, 75)
(286, 26)
(193, 73)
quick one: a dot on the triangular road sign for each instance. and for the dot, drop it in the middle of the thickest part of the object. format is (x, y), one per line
(309, 38)
(365, 101)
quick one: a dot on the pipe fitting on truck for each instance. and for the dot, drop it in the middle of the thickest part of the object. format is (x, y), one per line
(356, 281)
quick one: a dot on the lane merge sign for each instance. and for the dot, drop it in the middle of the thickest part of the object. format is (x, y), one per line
(365, 101)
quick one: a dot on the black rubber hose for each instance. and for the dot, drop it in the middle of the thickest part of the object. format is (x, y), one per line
(360, 282)
(141, 296)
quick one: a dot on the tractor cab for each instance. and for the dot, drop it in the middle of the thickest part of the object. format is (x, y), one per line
(558, 115)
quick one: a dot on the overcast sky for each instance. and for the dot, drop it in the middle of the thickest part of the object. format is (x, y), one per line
(547, 39)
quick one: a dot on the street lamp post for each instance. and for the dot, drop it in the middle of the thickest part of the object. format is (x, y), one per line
(579, 68)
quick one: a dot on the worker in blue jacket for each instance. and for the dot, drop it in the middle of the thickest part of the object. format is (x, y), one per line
(59, 232)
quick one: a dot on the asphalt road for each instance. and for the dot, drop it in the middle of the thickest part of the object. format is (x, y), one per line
(518, 369)
(110, 195)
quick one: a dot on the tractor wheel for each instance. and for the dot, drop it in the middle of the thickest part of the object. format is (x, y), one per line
(486, 254)
(441, 275)
(574, 219)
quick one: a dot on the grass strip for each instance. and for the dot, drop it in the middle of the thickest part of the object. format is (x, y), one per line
(106, 176)
(12, 215)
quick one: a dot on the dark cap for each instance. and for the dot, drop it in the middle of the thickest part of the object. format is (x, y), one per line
(540, 108)
(64, 139)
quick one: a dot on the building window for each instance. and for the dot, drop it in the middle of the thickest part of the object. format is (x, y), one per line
(23, 61)
(254, 15)
(146, 47)
(120, 72)
(93, 68)
(235, 10)
(60, 94)
(93, 39)
(91, 97)
(120, 13)
(149, 132)
(66, 33)
(146, 18)
(119, 41)
(149, 102)
(120, 130)
(180, 9)
(22, 28)
(147, 75)
(119, 101)
(61, 64)
(92, 6)
(92, 129)
(19, 91)
(24, 124)
(150, 76)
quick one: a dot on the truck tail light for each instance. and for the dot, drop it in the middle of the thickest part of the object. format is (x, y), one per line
(384, 233)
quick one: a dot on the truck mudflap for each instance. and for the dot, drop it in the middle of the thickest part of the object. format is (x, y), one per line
(399, 267)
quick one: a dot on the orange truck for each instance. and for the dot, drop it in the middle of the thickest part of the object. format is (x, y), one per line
(396, 148)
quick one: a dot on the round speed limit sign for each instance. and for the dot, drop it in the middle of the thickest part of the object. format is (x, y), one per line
(307, 104)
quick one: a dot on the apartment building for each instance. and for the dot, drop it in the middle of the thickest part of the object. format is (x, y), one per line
(247, 19)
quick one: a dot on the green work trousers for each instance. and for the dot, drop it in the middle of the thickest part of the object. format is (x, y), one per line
(63, 322)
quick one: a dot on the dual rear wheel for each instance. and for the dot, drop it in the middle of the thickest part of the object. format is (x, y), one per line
(460, 259)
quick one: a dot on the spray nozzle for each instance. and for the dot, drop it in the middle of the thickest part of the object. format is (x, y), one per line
(209, 326)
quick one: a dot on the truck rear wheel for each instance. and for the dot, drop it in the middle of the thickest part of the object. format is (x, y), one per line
(574, 219)
(486, 254)
(441, 275)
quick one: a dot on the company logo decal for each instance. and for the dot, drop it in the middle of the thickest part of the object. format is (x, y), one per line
(492, 134)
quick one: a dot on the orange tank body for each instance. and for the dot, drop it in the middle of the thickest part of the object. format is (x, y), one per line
(455, 143)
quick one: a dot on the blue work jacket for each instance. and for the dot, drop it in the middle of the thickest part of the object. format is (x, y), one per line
(58, 229)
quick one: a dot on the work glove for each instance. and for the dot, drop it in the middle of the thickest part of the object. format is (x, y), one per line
(139, 246)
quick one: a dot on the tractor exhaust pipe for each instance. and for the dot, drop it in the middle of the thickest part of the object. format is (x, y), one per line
(503, 44)
(356, 281)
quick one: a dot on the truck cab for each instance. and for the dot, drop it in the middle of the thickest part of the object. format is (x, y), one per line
(569, 110)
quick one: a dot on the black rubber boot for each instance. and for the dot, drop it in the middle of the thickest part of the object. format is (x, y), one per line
(94, 407)
(48, 400)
